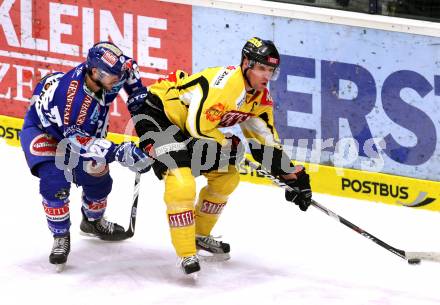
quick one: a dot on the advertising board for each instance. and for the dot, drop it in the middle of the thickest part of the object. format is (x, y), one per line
(39, 37)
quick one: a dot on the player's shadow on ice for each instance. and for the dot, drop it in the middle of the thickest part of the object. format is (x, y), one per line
(118, 263)
(96, 259)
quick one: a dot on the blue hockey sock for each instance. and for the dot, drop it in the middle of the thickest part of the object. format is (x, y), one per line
(94, 209)
(57, 215)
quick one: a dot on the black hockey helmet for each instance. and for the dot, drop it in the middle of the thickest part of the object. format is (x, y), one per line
(263, 52)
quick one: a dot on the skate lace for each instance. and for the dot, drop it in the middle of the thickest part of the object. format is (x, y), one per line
(105, 226)
(60, 245)
(190, 260)
(211, 240)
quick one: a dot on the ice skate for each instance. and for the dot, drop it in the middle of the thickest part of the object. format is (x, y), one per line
(190, 265)
(102, 229)
(60, 252)
(210, 249)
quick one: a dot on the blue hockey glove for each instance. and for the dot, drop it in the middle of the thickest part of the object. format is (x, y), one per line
(137, 100)
(302, 193)
(133, 79)
(129, 155)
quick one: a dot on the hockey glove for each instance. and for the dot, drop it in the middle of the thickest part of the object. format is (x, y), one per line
(302, 192)
(234, 150)
(133, 78)
(129, 155)
(137, 100)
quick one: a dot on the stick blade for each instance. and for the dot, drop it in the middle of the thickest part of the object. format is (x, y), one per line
(60, 267)
(129, 234)
(426, 256)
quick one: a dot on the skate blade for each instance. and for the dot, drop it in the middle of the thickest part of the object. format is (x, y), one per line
(88, 234)
(95, 236)
(212, 257)
(192, 276)
(59, 267)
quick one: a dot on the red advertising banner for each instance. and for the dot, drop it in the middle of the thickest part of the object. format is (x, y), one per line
(41, 36)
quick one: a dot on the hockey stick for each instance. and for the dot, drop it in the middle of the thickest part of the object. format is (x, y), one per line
(411, 257)
(130, 231)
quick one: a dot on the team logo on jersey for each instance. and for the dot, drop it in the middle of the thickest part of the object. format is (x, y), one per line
(211, 207)
(43, 145)
(182, 219)
(234, 117)
(215, 112)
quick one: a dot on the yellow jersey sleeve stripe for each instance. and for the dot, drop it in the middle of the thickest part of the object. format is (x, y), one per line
(196, 97)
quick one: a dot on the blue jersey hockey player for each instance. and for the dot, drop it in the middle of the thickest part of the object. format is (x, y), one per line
(73, 109)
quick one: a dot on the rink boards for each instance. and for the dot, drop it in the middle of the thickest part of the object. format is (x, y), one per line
(373, 186)
(357, 99)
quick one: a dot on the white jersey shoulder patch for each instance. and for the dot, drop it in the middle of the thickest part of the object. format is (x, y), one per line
(222, 76)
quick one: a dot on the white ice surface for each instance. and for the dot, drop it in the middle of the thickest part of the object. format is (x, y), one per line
(280, 255)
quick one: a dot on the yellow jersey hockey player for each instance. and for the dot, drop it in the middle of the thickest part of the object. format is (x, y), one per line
(178, 120)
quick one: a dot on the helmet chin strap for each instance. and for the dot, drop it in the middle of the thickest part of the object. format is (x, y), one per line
(247, 79)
